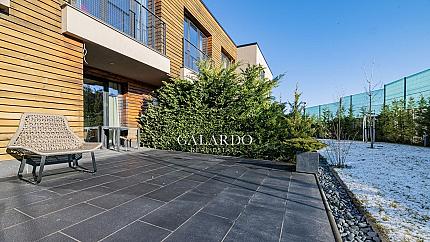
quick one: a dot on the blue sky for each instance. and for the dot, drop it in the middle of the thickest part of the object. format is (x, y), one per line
(325, 46)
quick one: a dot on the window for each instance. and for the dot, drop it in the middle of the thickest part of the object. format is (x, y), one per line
(195, 45)
(4, 6)
(225, 59)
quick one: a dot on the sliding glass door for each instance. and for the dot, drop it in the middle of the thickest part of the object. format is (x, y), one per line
(104, 103)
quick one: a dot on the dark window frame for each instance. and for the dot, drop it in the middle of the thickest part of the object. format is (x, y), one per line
(194, 50)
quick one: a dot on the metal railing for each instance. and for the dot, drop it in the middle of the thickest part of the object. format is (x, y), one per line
(192, 55)
(129, 17)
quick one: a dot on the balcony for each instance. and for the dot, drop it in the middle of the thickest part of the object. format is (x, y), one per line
(123, 37)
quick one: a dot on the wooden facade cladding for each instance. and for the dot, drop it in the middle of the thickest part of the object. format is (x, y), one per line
(172, 12)
(41, 70)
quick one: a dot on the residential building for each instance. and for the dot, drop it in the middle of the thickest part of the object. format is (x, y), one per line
(97, 61)
(251, 54)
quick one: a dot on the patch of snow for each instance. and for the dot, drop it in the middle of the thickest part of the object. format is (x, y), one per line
(393, 183)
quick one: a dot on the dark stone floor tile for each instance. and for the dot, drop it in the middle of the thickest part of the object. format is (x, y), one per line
(163, 171)
(61, 179)
(257, 224)
(16, 187)
(311, 211)
(274, 191)
(217, 169)
(138, 231)
(25, 199)
(124, 182)
(305, 191)
(228, 204)
(169, 178)
(201, 227)
(240, 191)
(11, 217)
(104, 224)
(132, 172)
(55, 204)
(233, 171)
(38, 228)
(250, 180)
(199, 166)
(173, 190)
(293, 237)
(173, 214)
(228, 163)
(306, 226)
(200, 176)
(271, 198)
(280, 175)
(57, 237)
(80, 185)
(120, 168)
(281, 184)
(212, 186)
(114, 199)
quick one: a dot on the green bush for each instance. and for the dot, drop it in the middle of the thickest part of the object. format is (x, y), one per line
(223, 101)
(298, 145)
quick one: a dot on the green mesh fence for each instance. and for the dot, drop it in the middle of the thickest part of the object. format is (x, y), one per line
(413, 86)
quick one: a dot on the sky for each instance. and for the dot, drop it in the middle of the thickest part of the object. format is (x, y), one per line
(326, 47)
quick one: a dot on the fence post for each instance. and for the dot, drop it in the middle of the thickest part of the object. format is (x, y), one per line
(385, 93)
(404, 92)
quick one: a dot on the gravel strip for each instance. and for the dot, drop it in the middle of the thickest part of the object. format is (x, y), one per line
(352, 225)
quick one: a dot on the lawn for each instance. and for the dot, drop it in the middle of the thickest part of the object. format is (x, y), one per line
(393, 183)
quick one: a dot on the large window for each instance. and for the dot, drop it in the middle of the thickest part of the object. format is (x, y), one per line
(93, 103)
(104, 103)
(195, 45)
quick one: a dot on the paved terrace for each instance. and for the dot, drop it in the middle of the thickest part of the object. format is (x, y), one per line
(166, 196)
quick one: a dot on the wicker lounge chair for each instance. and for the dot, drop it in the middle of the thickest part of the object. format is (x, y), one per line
(43, 139)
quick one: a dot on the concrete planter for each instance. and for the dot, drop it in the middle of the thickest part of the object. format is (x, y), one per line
(307, 162)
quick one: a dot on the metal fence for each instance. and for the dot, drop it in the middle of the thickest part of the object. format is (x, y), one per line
(414, 86)
(135, 18)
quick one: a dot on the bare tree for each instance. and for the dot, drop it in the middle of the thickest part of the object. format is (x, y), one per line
(370, 117)
(339, 146)
(337, 152)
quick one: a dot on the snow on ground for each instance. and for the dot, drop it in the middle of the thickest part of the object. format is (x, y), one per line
(393, 182)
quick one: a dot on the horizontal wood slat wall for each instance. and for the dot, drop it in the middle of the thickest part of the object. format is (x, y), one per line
(137, 94)
(41, 70)
(172, 12)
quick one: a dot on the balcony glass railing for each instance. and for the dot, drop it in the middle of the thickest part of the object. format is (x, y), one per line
(131, 17)
(192, 56)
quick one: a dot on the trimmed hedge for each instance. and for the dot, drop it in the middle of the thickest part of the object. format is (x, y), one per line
(223, 101)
